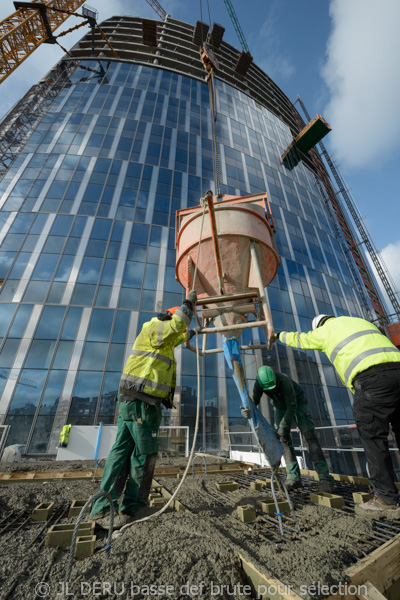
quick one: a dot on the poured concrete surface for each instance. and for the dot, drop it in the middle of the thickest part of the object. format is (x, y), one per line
(194, 553)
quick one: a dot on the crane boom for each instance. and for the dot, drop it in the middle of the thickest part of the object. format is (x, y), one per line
(236, 25)
(158, 8)
(26, 29)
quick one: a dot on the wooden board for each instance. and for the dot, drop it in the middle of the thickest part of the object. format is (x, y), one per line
(266, 588)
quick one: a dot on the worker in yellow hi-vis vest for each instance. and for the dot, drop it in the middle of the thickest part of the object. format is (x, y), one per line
(64, 436)
(147, 382)
(369, 365)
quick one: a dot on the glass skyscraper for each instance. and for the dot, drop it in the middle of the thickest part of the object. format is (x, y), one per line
(104, 152)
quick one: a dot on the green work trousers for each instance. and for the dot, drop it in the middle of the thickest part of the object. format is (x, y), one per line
(306, 425)
(132, 458)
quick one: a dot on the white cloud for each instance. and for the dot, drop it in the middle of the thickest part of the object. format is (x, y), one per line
(391, 257)
(362, 73)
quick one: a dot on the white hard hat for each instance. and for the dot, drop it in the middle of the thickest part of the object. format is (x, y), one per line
(318, 320)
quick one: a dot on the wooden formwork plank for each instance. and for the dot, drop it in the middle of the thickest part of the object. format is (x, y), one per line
(381, 568)
(177, 505)
(371, 593)
(264, 587)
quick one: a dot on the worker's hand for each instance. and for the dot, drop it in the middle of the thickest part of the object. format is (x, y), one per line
(281, 432)
(192, 297)
(245, 412)
(274, 337)
(190, 333)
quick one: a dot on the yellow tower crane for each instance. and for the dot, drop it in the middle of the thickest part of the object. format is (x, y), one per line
(34, 23)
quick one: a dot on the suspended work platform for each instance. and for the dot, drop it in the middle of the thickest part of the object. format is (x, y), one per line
(308, 138)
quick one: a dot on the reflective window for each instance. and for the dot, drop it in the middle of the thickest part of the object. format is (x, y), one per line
(100, 325)
(90, 269)
(85, 397)
(121, 326)
(71, 323)
(40, 354)
(45, 267)
(20, 321)
(8, 352)
(50, 323)
(116, 357)
(6, 260)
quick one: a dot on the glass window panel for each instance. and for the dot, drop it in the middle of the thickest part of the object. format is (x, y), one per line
(56, 293)
(64, 268)
(41, 434)
(121, 326)
(109, 394)
(148, 299)
(27, 392)
(19, 265)
(150, 279)
(40, 354)
(133, 275)
(96, 248)
(94, 356)
(36, 291)
(171, 285)
(50, 323)
(116, 357)
(6, 260)
(129, 298)
(20, 321)
(71, 324)
(61, 225)
(45, 267)
(6, 314)
(54, 244)
(101, 229)
(100, 325)
(8, 353)
(85, 397)
(108, 274)
(63, 355)
(103, 295)
(90, 270)
(83, 294)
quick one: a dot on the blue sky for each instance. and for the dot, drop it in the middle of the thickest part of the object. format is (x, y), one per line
(341, 57)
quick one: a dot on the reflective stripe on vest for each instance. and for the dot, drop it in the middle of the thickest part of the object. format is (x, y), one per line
(349, 339)
(152, 355)
(148, 383)
(160, 335)
(361, 357)
(298, 341)
(283, 334)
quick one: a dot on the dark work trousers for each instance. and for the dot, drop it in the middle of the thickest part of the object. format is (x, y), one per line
(376, 405)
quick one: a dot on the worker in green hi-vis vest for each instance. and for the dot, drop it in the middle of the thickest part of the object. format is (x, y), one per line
(148, 381)
(290, 402)
(64, 436)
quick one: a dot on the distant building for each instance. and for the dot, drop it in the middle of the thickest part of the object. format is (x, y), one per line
(100, 155)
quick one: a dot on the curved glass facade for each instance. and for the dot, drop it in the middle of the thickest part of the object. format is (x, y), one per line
(87, 227)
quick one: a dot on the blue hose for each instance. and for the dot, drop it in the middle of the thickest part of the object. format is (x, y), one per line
(96, 452)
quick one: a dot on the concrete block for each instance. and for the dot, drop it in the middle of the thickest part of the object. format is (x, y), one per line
(246, 513)
(361, 497)
(153, 495)
(358, 480)
(325, 499)
(256, 485)
(76, 508)
(159, 502)
(270, 509)
(227, 486)
(60, 535)
(42, 511)
(263, 480)
(339, 477)
(84, 546)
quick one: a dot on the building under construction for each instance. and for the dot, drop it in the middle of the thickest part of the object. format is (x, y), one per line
(96, 160)
(110, 167)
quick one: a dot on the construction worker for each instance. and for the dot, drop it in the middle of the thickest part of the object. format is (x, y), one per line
(369, 365)
(148, 380)
(64, 436)
(290, 402)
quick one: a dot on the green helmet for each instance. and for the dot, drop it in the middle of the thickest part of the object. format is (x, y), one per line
(266, 378)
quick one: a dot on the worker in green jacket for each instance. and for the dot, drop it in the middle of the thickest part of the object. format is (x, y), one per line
(290, 402)
(369, 365)
(147, 382)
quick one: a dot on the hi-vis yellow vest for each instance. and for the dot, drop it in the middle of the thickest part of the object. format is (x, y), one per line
(64, 436)
(151, 367)
(351, 344)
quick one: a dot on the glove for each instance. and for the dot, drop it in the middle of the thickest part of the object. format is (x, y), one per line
(274, 338)
(190, 333)
(281, 432)
(245, 412)
(192, 297)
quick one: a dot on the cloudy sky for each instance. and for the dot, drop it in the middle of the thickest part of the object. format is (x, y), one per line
(341, 57)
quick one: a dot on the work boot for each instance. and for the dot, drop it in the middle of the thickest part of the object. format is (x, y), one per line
(325, 486)
(377, 508)
(293, 484)
(119, 521)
